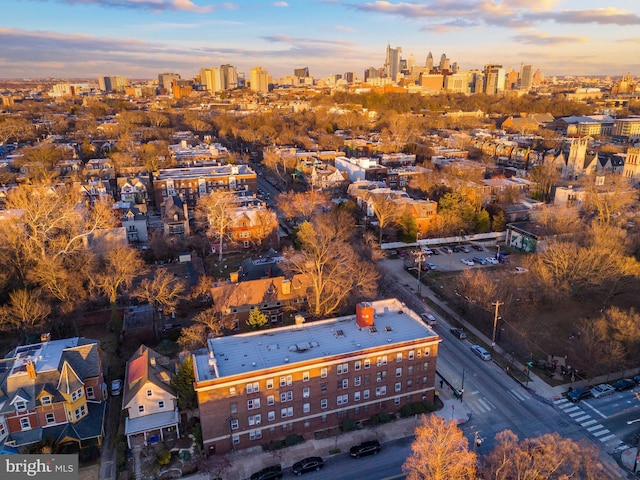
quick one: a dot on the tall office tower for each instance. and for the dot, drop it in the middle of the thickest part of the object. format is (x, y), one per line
(205, 78)
(104, 84)
(228, 77)
(165, 80)
(445, 63)
(477, 81)
(349, 76)
(457, 83)
(112, 84)
(369, 73)
(392, 62)
(454, 67)
(495, 79)
(526, 77)
(411, 62)
(511, 80)
(429, 64)
(301, 72)
(259, 80)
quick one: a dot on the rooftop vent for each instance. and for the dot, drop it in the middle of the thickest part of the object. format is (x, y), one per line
(339, 333)
(373, 330)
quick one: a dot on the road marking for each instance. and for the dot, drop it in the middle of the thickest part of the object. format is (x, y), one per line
(607, 438)
(580, 419)
(595, 410)
(561, 400)
(518, 395)
(572, 409)
(590, 422)
(600, 433)
(595, 427)
(575, 414)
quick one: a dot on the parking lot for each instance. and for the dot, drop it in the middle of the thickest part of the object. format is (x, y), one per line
(452, 257)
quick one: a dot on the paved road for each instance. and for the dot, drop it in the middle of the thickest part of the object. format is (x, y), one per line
(108, 456)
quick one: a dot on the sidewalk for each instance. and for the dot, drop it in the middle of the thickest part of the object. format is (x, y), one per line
(248, 461)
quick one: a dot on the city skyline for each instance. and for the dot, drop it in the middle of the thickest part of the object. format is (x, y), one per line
(140, 38)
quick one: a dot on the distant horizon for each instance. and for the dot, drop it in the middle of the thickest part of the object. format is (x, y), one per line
(141, 38)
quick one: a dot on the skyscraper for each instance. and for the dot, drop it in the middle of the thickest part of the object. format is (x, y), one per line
(259, 80)
(165, 80)
(392, 62)
(429, 64)
(495, 79)
(526, 77)
(445, 63)
(228, 77)
(301, 72)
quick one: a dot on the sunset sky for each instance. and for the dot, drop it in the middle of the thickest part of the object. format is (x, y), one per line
(141, 38)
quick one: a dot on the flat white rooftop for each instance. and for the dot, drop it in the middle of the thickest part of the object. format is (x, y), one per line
(245, 353)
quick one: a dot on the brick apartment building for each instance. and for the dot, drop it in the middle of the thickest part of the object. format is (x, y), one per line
(257, 387)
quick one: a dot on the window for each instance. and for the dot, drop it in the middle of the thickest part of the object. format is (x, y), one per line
(323, 403)
(253, 403)
(269, 383)
(367, 378)
(254, 420)
(25, 424)
(3, 430)
(140, 408)
(255, 435)
(426, 365)
(381, 361)
(76, 395)
(324, 419)
(396, 401)
(271, 400)
(236, 439)
(271, 415)
(399, 357)
(381, 376)
(286, 396)
(50, 418)
(234, 408)
(356, 396)
(253, 387)
(345, 383)
(323, 387)
(306, 407)
(81, 412)
(342, 399)
(232, 391)
(409, 383)
(161, 404)
(343, 368)
(357, 365)
(356, 381)
(365, 394)
(410, 354)
(410, 370)
(90, 392)
(21, 406)
(286, 381)
(426, 352)
(45, 400)
(234, 424)
(286, 412)
(306, 391)
(367, 363)
(381, 391)
(305, 376)
(399, 372)
(419, 353)
(398, 387)
(149, 393)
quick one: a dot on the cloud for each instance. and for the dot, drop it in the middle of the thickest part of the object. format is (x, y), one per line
(280, 4)
(153, 5)
(345, 28)
(601, 16)
(279, 38)
(544, 39)
(453, 25)
(628, 40)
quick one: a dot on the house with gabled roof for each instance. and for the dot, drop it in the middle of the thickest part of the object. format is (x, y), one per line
(52, 390)
(149, 399)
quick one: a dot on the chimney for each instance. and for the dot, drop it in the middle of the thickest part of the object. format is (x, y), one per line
(233, 276)
(286, 287)
(152, 361)
(364, 314)
(31, 370)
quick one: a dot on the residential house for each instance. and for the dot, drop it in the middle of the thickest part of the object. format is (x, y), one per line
(311, 377)
(277, 297)
(175, 218)
(251, 224)
(133, 190)
(53, 390)
(135, 222)
(149, 399)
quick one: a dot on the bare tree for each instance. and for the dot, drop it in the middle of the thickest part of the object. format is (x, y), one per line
(385, 210)
(440, 452)
(545, 176)
(212, 211)
(164, 290)
(215, 321)
(25, 312)
(610, 199)
(302, 205)
(193, 337)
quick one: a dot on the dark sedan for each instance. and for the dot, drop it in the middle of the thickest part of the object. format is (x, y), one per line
(578, 394)
(623, 384)
(371, 447)
(309, 464)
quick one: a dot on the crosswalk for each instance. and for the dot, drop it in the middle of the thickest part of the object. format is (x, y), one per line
(591, 425)
(479, 405)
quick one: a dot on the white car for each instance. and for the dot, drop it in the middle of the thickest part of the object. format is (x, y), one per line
(468, 262)
(602, 390)
(492, 260)
(116, 387)
(481, 352)
(429, 319)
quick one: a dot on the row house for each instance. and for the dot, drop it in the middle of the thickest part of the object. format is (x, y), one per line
(251, 224)
(277, 297)
(192, 183)
(133, 190)
(262, 386)
(136, 222)
(53, 390)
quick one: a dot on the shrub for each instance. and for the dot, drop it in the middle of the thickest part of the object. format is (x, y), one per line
(292, 439)
(163, 456)
(384, 417)
(349, 425)
(407, 411)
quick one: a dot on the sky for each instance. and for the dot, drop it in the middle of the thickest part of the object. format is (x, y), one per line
(141, 38)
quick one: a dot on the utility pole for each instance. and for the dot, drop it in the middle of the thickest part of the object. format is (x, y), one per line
(495, 323)
(420, 258)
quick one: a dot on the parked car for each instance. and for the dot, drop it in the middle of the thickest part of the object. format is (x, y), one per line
(459, 333)
(465, 249)
(370, 447)
(308, 464)
(447, 249)
(479, 260)
(623, 384)
(432, 266)
(268, 473)
(427, 250)
(467, 262)
(481, 352)
(578, 394)
(428, 319)
(435, 251)
(602, 390)
(637, 379)
(520, 270)
(477, 247)
(116, 387)
(456, 249)
(492, 260)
